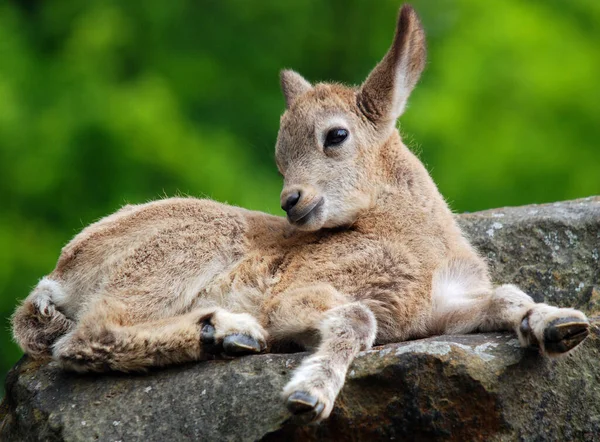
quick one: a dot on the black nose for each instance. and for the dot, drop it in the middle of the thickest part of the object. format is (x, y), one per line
(291, 201)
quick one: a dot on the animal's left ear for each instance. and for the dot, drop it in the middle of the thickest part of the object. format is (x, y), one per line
(383, 95)
(293, 85)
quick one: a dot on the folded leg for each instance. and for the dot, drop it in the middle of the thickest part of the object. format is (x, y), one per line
(103, 341)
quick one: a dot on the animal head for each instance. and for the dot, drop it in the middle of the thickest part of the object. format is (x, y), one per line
(331, 135)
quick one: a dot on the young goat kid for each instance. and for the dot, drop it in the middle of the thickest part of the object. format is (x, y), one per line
(370, 253)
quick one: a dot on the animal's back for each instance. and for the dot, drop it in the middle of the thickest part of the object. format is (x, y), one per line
(160, 254)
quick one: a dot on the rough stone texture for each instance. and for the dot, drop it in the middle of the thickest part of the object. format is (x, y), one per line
(552, 251)
(475, 387)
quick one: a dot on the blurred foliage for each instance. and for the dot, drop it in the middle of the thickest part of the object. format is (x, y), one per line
(105, 102)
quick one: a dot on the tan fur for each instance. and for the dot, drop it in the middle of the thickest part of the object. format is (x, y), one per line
(374, 254)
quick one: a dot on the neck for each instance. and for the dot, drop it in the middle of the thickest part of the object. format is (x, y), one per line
(403, 188)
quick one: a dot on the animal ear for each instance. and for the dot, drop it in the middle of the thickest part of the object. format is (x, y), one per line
(383, 95)
(293, 85)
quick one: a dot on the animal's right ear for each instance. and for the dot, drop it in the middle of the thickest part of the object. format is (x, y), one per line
(383, 95)
(293, 85)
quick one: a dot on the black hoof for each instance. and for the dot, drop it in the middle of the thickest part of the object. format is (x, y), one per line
(527, 333)
(207, 338)
(564, 334)
(305, 406)
(239, 344)
(207, 334)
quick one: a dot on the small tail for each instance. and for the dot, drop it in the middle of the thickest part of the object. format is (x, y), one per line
(37, 323)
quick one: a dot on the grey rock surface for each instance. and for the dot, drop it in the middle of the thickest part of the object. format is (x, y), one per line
(472, 387)
(551, 251)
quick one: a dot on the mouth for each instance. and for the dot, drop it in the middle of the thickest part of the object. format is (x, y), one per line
(303, 216)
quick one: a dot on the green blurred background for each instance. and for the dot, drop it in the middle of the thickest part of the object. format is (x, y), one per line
(107, 102)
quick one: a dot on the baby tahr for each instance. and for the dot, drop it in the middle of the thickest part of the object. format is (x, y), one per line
(369, 253)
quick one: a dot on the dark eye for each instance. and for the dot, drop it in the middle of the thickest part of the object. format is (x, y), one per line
(335, 137)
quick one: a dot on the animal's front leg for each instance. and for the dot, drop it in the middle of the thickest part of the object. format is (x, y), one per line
(345, 330)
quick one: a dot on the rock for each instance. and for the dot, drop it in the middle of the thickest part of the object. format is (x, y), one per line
(551, 251)
(472, 387)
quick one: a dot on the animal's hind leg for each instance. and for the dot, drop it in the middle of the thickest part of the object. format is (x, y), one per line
(102, 342)
(38, 323)
(555, 330)
(463, 302)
